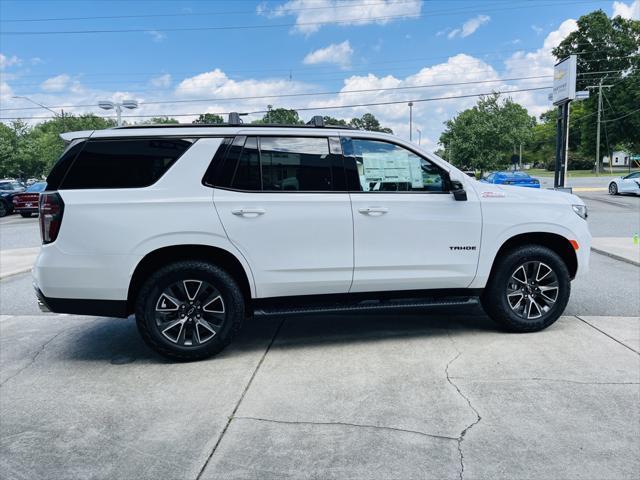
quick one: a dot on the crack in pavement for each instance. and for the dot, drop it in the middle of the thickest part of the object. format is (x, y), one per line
(33, 358)
(244, 392)
(460, 438)
(347, 424)
(541, 379)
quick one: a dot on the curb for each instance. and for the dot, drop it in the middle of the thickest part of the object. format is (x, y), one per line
(616, 257)
(12, 273)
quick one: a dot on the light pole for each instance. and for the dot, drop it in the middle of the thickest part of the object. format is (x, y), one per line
(61, 114)
(419, 135)
(410, 120)
(108, 105)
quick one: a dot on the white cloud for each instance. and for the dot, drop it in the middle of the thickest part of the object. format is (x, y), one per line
(538, 62)
(630, 11)
(56, 84)
(469, 27)
(336, 53)
(162, 81)
(312, 14)
(156, 35)
(6, 62)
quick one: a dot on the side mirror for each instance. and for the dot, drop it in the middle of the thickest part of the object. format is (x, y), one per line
(458, 191)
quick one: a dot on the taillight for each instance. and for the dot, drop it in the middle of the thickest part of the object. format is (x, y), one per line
(51, 208)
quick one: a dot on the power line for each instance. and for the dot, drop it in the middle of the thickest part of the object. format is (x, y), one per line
(331, 107)
(305, 94)
(623, 116)
(265, 26)
(199, 14)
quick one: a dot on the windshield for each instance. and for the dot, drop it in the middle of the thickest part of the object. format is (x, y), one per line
(37, 187)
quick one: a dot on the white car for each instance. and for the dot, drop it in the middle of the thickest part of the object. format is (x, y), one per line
(628, 184)
(192, 228)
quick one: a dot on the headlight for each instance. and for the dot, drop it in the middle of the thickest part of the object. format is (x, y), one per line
(581, 210)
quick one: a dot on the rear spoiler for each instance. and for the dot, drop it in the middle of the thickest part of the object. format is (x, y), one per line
(69, 137)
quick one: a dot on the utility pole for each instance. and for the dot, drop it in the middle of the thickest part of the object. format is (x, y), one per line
(520, 157)
(410, 121)
(600, 86)
(598, 129)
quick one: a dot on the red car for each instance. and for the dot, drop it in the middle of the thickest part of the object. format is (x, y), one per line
(26, 203)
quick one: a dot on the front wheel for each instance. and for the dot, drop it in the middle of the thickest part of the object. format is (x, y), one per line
(4, 209)
(528, 289)
(189, 310)
(613, 188)
(25, 214)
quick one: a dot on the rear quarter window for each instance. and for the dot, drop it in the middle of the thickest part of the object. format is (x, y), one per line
(123, 163)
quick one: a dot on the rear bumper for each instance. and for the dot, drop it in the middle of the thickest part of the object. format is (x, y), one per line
(81, 306)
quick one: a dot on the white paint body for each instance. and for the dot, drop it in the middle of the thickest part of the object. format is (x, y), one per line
(628, 184)
(295, 243)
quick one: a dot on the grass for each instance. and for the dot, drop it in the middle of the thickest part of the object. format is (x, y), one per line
(540, 172)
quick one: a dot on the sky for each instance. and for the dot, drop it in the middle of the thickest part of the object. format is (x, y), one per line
(183, 58)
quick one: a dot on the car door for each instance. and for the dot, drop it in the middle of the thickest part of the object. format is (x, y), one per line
(630, 183)
(286, 208)
(409, 231)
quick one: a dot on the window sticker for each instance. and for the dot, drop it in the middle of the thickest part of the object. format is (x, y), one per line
(397, 166)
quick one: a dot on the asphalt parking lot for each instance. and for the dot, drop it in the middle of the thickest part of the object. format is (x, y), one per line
(434, 394)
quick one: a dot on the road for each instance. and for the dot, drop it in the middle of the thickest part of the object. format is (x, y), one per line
(418, 395)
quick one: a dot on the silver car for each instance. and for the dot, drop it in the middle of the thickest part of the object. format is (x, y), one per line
(628, 184)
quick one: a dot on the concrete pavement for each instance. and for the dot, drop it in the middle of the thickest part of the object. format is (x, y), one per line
(624, 249)
(366, 396)
(17, 260)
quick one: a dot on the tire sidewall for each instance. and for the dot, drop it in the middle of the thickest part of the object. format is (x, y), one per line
(501, 279)
(158, 282)
(613, 188)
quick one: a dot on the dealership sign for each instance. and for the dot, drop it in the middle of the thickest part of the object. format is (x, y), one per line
(564, 80)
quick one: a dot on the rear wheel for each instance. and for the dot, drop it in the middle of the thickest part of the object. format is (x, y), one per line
(528, 289)
(4, 208)
(189, 310)
(613, 188)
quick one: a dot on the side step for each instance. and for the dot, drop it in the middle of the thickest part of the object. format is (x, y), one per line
(295, 308)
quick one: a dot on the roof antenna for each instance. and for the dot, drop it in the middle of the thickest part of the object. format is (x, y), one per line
(290, 75)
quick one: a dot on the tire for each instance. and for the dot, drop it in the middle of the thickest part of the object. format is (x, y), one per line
(171, 296)
(4, 208)
(26, 214)
(506, 288)
(613, 188)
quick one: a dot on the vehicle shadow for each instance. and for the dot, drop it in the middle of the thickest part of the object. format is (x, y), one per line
(117, 340)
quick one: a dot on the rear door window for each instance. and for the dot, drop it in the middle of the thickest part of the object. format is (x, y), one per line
(295, 164)
(123, 163)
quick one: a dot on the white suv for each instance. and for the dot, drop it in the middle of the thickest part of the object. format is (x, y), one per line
(193, 228)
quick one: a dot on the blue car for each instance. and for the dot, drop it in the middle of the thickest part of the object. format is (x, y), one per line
(518, 179)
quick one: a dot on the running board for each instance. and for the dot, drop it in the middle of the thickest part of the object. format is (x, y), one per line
(362, 306)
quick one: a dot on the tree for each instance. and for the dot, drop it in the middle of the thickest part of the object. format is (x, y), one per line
(280, 116)
(209, 119)
(368, 121)
(607, 51)
(483, 137)
(31, 151)
(334, 121)
(161, 121)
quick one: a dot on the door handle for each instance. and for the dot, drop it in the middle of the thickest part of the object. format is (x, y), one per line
(248, 212)
(373, 211)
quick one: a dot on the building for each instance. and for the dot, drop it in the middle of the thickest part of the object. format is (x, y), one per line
(620, 159)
